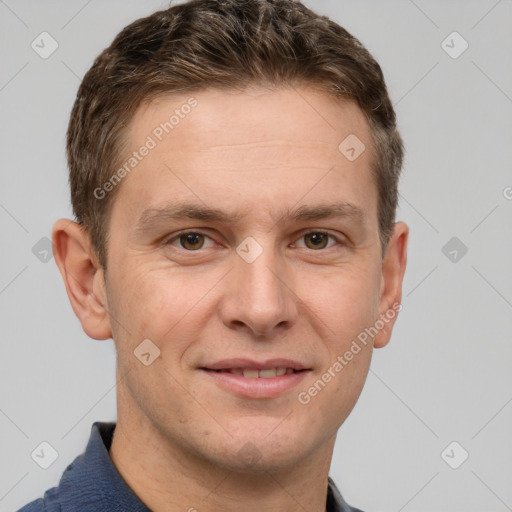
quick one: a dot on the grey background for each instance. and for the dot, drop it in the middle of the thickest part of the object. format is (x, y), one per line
(446, 376)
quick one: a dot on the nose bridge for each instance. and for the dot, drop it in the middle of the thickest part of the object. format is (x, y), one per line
(261, 280)
(259, 296)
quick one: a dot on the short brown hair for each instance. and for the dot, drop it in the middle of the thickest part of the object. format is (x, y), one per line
(222, 44)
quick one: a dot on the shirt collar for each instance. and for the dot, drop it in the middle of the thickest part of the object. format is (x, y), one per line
(91, 482)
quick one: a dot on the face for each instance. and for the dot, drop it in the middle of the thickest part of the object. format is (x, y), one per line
(245, 246)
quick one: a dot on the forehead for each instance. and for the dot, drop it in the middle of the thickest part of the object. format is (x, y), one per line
(238, 148)
(219, 117)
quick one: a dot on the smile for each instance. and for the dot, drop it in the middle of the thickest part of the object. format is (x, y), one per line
(248, 379)
(253, 373)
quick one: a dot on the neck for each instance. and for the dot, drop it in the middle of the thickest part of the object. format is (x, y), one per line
(167, 477)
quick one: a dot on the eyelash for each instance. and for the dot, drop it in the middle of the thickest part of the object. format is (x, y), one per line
(316, 231)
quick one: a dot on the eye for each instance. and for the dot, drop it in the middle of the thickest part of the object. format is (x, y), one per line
(191, 240)
(318, 240)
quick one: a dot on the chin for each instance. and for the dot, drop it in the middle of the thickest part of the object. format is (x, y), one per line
(252, 459)
(263, 450)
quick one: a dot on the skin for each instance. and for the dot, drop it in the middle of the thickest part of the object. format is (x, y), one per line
(178, 437)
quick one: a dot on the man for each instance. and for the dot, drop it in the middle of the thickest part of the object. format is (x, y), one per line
(234, 168)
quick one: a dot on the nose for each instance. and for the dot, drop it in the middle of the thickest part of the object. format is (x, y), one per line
(259, 297)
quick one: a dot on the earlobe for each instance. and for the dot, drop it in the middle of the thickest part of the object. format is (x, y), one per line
(393, 269)
(83, 278)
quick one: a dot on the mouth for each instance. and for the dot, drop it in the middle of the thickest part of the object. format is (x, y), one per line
(258, 373)
(252, 379)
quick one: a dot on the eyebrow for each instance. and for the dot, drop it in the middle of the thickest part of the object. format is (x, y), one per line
(184, 210)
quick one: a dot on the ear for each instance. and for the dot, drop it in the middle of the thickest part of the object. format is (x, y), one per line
(393, 269)
(83, 276)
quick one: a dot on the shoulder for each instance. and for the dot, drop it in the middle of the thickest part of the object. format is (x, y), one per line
(33, 506)
(335, 501)
(49, 503)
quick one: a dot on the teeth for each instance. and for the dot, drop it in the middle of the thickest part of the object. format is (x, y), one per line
(262, 374)
(251, 374)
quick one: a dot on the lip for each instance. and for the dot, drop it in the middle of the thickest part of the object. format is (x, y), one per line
(226, 364)
(258, 387)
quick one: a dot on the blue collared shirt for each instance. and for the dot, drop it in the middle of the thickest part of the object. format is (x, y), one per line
(91, 483)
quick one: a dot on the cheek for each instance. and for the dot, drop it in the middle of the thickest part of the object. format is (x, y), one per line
(345, 301)
(162, 304)
(136, 306)
(347, 385)
(351, 308)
